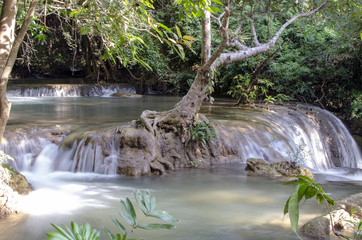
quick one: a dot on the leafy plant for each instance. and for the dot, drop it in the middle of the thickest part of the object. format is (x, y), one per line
(308, 189)
(298, 156)
(76, 232)
(144, 201)
(202, 132)
(358, 229)
(241, 87)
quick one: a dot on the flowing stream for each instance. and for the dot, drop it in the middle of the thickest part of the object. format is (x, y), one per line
(214, 203)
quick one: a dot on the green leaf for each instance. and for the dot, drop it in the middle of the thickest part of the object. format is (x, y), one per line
(156, 226)
(119, 225)
(56, 236)
(164, 215)
(109, 233)
(189, 38)
(128, 213)
(75, 227)
(286, 206)
(139, 199)
(218, 2)
(310, 192)
(84, 30)
(164, 27)
(63, 232)
(293, 209)
(178, 32)
(215, 9)
(301, 191)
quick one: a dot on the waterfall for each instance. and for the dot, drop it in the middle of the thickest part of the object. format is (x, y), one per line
(67, 90)
(307, 135)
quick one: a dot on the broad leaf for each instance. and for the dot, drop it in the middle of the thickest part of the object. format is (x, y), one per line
(163, 215)
(164, 27)
(156, 226)
(128, 213)
(190, 38)
(293, 209)
(178, 32)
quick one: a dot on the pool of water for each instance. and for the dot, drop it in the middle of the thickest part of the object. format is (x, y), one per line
(213, 203)
(222, 202)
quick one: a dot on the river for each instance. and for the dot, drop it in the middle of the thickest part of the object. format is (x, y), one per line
(221, 202)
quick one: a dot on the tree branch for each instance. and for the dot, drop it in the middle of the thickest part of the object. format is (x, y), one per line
(255, 37)
(227, 58)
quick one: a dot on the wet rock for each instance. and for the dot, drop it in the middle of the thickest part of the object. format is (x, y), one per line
(280, 170)
(12, 183)
(19, 183)
(345, 212)
(126, 95)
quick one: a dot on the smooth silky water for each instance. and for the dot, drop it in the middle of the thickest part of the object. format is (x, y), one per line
(221, 202)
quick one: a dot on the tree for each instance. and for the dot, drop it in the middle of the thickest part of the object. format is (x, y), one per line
(9, 46)
(171, 129)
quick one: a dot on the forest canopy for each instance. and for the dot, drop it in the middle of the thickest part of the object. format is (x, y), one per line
(317, 60)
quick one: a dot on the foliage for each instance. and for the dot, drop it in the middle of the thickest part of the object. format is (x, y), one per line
(299, 155)
(144, 201)
(358, 229)
(308, 189)
(76, 232)
(202, 132)
(240, 85)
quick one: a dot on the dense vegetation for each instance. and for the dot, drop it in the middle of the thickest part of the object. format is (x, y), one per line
(315, 62)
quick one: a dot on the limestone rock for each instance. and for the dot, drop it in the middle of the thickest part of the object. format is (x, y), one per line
(19, 183)
(320, 228)
(279, 170)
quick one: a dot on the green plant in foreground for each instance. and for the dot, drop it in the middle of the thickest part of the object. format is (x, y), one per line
(144, 201)
(308, 189)
(358, 229)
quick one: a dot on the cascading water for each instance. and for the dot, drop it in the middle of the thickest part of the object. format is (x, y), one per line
(307, 135)
(224, 201)
(67, 90)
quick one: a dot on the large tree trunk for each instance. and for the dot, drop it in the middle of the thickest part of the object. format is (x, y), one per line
(7, 32)
(9, 50)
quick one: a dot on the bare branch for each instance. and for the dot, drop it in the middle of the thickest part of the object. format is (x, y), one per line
(227, 58)
(255, 37)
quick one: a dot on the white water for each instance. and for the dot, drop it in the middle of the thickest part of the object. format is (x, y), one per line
(316, 139)
(67, 90)
(215, 203)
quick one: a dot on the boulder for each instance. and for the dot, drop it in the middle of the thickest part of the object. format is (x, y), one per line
(19, 183)
(345, 214)
(280, 170)
(12, 183)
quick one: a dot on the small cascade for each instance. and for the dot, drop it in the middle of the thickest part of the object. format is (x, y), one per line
(67, 90)
(307, 135)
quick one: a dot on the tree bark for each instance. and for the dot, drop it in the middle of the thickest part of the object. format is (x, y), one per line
(7, 32)
(9, 50)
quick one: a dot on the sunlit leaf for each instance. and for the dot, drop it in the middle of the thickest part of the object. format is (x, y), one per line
(190, 38)
(156, 226)
(163, 215)
(178, 32)
(164, 27)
